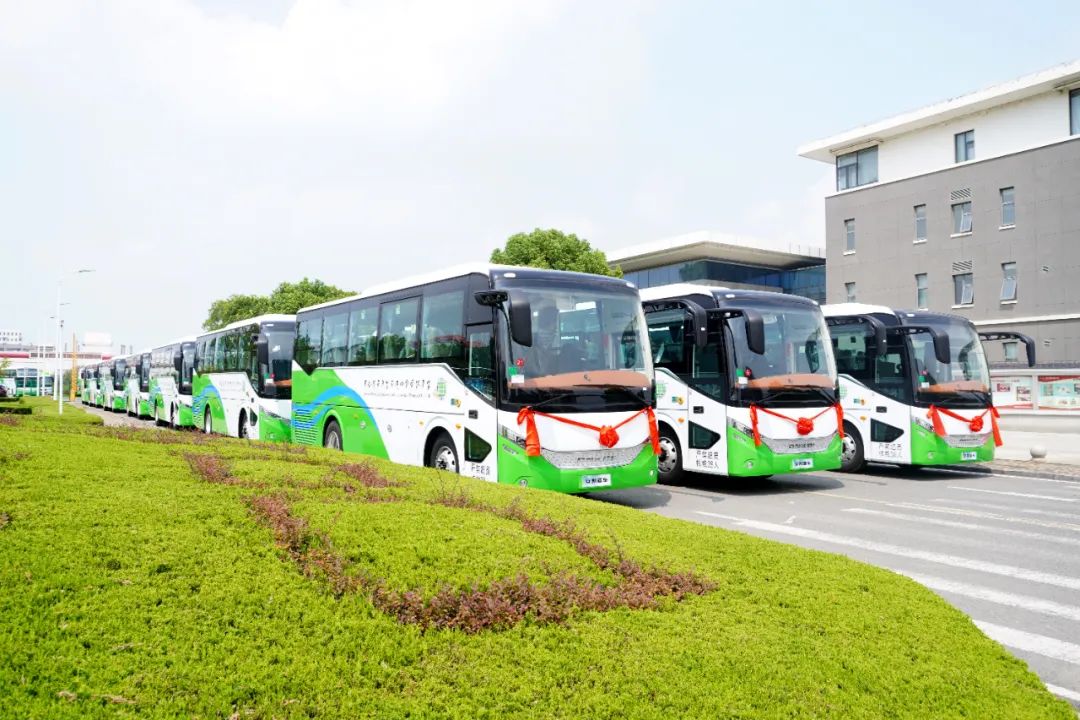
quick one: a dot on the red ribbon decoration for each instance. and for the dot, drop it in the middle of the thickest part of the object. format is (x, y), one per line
(803, 425)
(974, 424)
(609, 435)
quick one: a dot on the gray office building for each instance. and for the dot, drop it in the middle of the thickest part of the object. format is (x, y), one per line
(970, 206)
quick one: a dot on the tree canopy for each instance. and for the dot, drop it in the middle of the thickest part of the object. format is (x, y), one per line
(554, 250)
(286, 298)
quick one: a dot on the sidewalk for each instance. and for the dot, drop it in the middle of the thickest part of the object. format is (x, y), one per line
(1062, 461)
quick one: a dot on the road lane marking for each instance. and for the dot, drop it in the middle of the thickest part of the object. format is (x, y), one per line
(965, 525)
(1072, 583)
(1015, 494)
(1064, 692)
(1026, 511)
(1032, 643)
(952, 511)
(978, 592)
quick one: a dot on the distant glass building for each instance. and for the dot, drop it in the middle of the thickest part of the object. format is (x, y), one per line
(709, 258)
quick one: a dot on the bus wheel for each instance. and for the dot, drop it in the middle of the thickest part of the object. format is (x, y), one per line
(443, 455)
(852, 456)
(332, 437)
(207, 423)
(669, 464)
(172, 417)
(242, 430)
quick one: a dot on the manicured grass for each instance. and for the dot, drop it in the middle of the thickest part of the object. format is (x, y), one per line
(158, 574)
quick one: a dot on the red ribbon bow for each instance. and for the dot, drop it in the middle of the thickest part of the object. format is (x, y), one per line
(803, 425)
(608, 434)
(975, 424)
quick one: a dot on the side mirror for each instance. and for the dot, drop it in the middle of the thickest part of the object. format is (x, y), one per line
(262, 351)
(755, 331)
(942, 351)
(521, 321)
(178, 361)
(697, 316)
(1029, 343)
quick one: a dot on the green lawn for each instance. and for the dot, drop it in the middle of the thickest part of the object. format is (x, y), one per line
(158, 574)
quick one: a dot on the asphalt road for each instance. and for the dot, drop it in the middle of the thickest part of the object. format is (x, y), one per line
(1004, 549)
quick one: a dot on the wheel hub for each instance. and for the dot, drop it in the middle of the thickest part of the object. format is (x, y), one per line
(669, 456)
(444, 459)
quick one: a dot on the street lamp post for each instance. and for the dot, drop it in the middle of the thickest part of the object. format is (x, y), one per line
(58, 381)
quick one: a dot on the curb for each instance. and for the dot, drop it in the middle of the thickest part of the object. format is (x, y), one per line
(1042, 473)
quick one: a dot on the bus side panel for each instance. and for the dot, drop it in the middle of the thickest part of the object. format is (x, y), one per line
(884, 424)
(671, 406)
(325, 395)
(206, 399)
(274, 419)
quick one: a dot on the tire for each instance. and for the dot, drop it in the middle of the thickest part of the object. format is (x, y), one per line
(332, 436)
(670, 463)
(853, 455)
(157, 416)
(443, 455)
(242, 429)
(208, 422)
(172, 418)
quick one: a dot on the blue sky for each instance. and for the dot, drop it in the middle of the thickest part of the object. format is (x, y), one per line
(189, 150)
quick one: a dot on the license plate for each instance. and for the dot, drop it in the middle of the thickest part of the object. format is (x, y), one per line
(802, 463)
(969, 455)
(595, 481)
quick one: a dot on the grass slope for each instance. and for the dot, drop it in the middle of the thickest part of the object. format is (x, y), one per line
(132, 585)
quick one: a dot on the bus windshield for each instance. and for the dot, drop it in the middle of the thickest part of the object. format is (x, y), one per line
(965, 374)
(798, 351)
(589, 350)
(119, 374)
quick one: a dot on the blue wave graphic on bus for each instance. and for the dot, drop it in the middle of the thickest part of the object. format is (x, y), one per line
(308, 415)
(199, 401)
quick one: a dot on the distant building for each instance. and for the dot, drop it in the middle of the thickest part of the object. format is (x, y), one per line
(971, 206)
(711, 258)
(11, 337)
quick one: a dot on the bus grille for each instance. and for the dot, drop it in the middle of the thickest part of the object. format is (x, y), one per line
(588, 459)
(791, 446)
(965, 441)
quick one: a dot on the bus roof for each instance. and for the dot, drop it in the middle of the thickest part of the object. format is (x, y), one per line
(719, 293)
(455, 271)
(836, 309)
(249, 321)
(178, 341)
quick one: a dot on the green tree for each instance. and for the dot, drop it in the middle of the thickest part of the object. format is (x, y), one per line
(286, 298)
(554, 250)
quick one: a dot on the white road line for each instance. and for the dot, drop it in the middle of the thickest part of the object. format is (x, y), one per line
(1015, 494)
(1032, 643)
(966, 526)
(1026, 511)
(979, 475)
(1064, 692)
(1072, 583)
(978, 592)
(951, 511)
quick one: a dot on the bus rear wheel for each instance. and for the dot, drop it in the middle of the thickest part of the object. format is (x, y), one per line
(208, 424)
(669, 464)
(332, 436)
(852, 454)
(443, 454)
(242, 429)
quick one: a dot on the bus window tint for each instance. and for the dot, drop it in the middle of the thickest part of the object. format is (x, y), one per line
(480, 375)
(363, 325)
(335, 339)
(309, 344)
(857, 357)
(667, 337)
(442, 325)
(397, 331)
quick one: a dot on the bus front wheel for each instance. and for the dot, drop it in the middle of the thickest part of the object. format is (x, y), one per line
(332, 438)
(443, 454)
(669, 464)
(853, 455)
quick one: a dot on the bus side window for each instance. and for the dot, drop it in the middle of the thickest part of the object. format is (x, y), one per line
(480, 375)
(397, 330)
(308, 344)
(335, 339)
(669, 341)
(363, 327)
(441, 337)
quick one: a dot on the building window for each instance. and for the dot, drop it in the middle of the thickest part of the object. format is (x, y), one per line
(920, 291)
(849, 236)
(1011, 348)
(1008, 282)
(856, 168)
(1074, 112)
(920, 223)
(849, 290)
(961, 218)
(965, 146)
(963, 289)
(1008, 207)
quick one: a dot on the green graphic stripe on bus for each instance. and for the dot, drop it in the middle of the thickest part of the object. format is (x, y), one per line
(273, 428)
(185, 417)
(537, 472)
(747, 459)
(205, 398)
(928, 448)
(333, 399)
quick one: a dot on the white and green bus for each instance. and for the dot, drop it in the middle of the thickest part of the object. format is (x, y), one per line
(171, 369)
(137, 388)
(114, 384)
(914, 386)
(242, 381)
(745, 382)
(538, 378)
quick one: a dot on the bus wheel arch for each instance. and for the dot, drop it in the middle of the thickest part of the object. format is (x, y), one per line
(853, 451)
(440, 452)
(670, 463)
(332, 437)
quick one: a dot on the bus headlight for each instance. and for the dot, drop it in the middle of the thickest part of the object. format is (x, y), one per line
(924, 423)
(748, 432)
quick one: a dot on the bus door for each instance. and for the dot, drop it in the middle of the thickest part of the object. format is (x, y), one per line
(706, 417)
